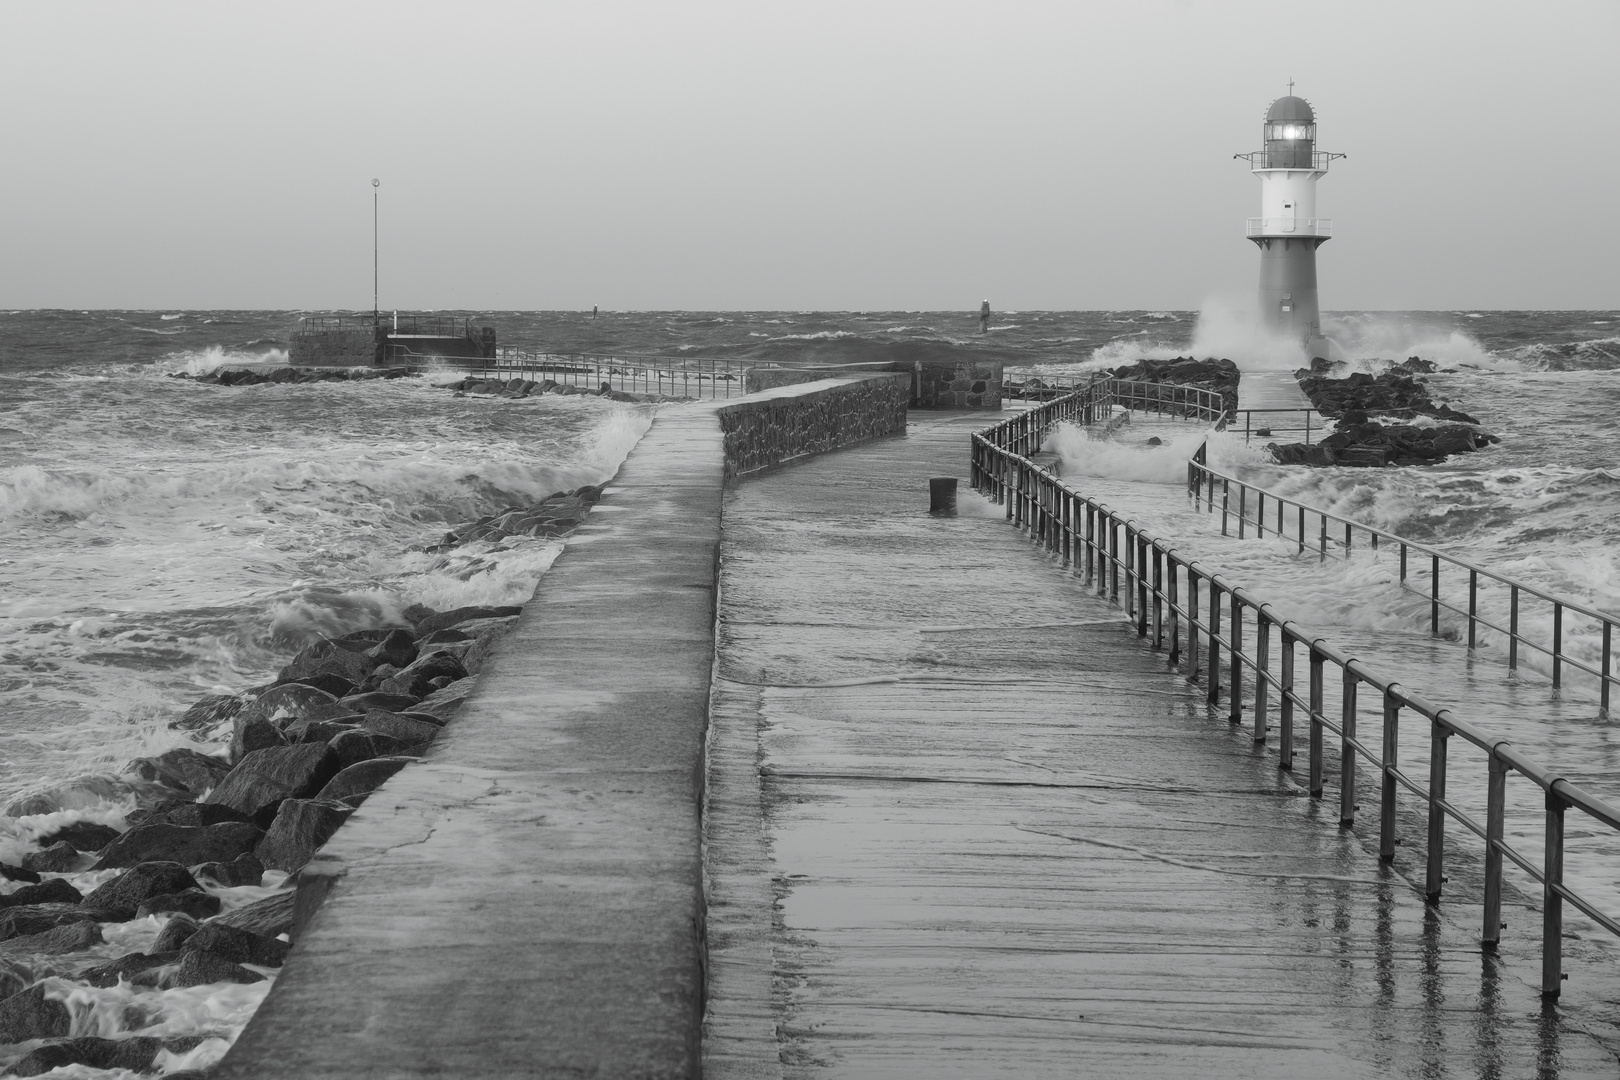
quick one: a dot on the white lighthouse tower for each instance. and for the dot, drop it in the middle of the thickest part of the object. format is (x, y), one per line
(1288, 232)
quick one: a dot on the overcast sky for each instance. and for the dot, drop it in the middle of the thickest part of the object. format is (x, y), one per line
(827, 155)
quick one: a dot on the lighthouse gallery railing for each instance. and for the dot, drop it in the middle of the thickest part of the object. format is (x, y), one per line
(1117, 555)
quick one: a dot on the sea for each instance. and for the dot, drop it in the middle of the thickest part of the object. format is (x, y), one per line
(162, 539)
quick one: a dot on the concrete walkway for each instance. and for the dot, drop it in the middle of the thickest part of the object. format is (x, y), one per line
(1271, 390)
(961, 823)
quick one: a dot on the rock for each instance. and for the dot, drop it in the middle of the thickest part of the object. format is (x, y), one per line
(209, 711)
(291, 701)
(398, 649)
(239, 946)
(161, 842)
(323, 731)
(193, 902)
(257, 733)
(198, 968)
(336, 685)
(352, 666)
(133, 1054)
(416, 613)
(269, 917)
(245, 869)
(16, 977)
(68, 938)
(264, 778)
(362, 703)
(300, 828)
(181, 769)
(445, 619)
(127, 967)
(442, 637)
(17, 873)
(1300, 454)
(32, 1015)
(54, 891)
(415, 680)
(60, 858)
(355, 782)
(39, 918)
(359, 745)
(406, 729)
(1363, 456)
(175, 933)
(139, 883)
(197, 814)
(84, 835)
(444, 703)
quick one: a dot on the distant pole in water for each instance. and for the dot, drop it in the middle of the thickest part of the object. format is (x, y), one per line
(984, 317)
(1288, 232)
(375, 183)
(593, 311)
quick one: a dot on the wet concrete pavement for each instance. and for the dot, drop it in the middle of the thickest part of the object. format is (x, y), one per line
(962, 823)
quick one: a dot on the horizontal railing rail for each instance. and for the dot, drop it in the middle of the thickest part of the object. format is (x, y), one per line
(1174, 601)
(1287, 226)
(1263, 423)
(1420, 570)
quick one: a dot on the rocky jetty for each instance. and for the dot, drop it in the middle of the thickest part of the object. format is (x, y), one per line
(343, 716)
(1375, 415)
(250, 377)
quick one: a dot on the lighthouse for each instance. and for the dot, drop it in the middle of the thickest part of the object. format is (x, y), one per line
(1288, 232)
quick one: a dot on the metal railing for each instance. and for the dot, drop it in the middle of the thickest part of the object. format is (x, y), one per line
(1341, 536)
(1164, 593)
(1275, 158)
(664, 376)
(410, 325)
(1287, 226)
(1265, 426)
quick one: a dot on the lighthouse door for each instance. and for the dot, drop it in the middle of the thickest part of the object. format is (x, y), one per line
(1288, 217)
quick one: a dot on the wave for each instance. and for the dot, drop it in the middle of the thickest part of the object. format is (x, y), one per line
(203, 361)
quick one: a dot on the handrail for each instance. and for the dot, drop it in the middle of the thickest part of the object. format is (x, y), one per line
(1201, 482)
(1162, 598)
(664, 376)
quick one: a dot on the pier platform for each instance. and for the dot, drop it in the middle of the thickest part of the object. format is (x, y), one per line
(961, 822)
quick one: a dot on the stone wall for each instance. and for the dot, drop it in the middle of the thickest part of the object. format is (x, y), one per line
(760, 434)
(958, 385)
(333, 348)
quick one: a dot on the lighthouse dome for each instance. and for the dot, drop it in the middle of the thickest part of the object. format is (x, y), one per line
(1291, 108)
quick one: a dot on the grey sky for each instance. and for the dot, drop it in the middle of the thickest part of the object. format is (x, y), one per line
(806, 155)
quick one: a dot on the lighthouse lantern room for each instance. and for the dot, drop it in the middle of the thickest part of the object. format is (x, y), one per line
(1288, 232)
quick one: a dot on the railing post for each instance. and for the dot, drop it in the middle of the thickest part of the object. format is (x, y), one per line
(1323, 557)
(1318, 677)
(1495, 818)
(1558, 646)
(1226, 498)
(1192, 624)
(1259, 513)
(1403, 562)
(1473, 607)
(1439, 737)
(1301, 531)
(1434, 595)
(1090, 544)
(1234, 661)
(1285, 704)
(1262, 662)
(1113, 559)
(1157, 593)
(1552, 901)
(1603, 675)
(1214, 673)
(1386, 795)
(1243, 510)
(1513, 629)
(1172, 613)
(1347, 753)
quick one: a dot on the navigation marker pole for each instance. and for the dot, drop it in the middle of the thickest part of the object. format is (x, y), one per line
(375, 183)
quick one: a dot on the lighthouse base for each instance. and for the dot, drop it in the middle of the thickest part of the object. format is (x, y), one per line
(1288, 289)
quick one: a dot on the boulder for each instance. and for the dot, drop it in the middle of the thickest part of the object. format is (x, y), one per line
(125, 968)
(60, 858)
(445, 619)
(291, 701)
(354, 783)
(18, 873)
(257, 733)
(128, 890)
(414, 681)
(300, 828)
(16, 977)
(210, 711)
(336, 685)
(362, 703)
(323, 731)
(416, 613)
(199, 968)
(132, 1054)
(83, 835)
(193, 902)
(54, 891)
(398, 649)
(270, 917)
(32, 919)
(175, 933)
(360, 745)
(187, 845)
(68, 938)
(351, 666)
(238, 945)
(32, 1015)
(182, 769)
(406, 729)
(264, 778)
(245, 869)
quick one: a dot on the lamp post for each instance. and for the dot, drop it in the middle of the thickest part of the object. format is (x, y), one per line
(375, 183)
